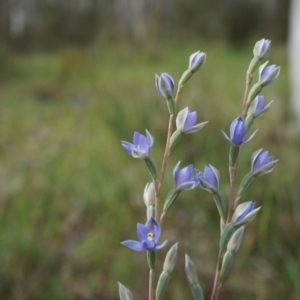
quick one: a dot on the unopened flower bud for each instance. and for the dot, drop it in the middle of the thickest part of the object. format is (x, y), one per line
(190, 270)
(186, 121)
(227, 263)
(258, 106)
(124, 292)
(236, 240)
(165, 85)
(197, 61)
(170, 259)
(268, 74)
(244, 213)
(262, 163)
(149, 194)
(262, 49)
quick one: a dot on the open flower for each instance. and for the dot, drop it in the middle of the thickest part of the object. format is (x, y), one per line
(186, 121)
(238, 133)
(244, 213)
(141, 147)
(258, 107)
(197, 61)
(165, 85)
(149, 235)
(262, 163)
(209, 179)
(262, 49)
(268, 74)
(184, 179)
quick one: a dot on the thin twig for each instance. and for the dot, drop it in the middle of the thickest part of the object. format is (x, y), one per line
(151, 285)
(158, 185)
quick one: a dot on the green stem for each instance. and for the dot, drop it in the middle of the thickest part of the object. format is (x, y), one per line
(247, 89)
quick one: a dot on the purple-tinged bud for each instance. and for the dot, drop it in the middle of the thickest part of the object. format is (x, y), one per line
(244, 213)
(186, 121)
(141, 147)
(262, 163)
(238, 132)
(262, 49)
(184, 179)
(268, 74)
(258, 107)
(149, 194)
(197, 61)
(209, 179)
(165, 85)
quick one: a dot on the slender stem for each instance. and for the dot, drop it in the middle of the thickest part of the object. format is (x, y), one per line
(151, 285)
(232, 172)
(164, 167)
(158, 184)
(217, 284)
(248, 83)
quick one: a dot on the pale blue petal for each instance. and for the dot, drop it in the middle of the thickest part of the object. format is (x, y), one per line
(142, 231)
(184, 175)
(161, 245)
(148, 245)
(128, 147)
(134, 245)
(190, 120)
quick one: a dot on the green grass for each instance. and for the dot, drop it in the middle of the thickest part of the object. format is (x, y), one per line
(69, 194)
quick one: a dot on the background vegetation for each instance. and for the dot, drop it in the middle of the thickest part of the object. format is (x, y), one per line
(69, 194)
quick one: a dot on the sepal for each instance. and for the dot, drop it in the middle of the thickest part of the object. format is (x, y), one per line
(221, 204)
(165, 275)
(233, 155)
(162, 284)
(246, 182)
(175, 138)
(171, 258)
(185, 76)
(197, 291)
(150, 211)
(226, 265)
(190, 270)
(254, 64)
(151, 259)
(255, 90)
(151, 165)
(171, 105)
(172, 196)
(193, 279)
(236, 240)
(226, 235)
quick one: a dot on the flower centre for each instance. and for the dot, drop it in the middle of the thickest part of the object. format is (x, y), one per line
(150, 235)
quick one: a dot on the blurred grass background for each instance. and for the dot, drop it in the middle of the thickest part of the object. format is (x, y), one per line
(69, 193)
